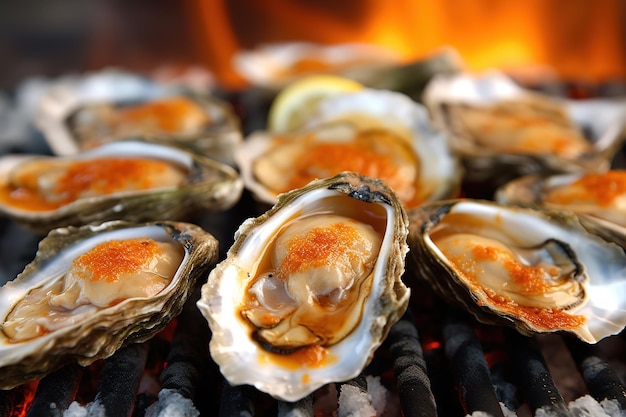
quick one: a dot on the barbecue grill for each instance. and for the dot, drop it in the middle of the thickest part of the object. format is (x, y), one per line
(435, 361)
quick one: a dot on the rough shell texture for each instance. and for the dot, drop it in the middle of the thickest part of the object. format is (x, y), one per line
(604, 263)
(59, 105)
(601, 195)
(98, 333)
(601, 120)
(438, 171)
(273, 66)
(241, 359)
(211, 186)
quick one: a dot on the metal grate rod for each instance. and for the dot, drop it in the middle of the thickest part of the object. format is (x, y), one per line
(541, 392)
(56, 392)
(468, 361)
(416, 397)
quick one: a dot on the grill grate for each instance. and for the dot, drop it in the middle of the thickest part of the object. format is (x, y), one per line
(417, 376)
(436, 361)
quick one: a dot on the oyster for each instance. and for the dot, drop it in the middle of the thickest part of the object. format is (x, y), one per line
(107, 107)
(273, 66)
(93, 289)
(309, 289)
(134, 181)
(536, 270)
(602, 195)
(502, 131)
(376, 133)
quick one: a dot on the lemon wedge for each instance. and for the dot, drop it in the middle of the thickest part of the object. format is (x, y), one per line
(297, 102)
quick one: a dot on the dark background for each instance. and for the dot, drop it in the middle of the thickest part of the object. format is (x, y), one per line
(51, 39)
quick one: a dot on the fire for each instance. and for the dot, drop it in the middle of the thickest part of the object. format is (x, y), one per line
(578, 39)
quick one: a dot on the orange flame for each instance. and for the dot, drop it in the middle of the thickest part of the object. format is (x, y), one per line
(577, 39)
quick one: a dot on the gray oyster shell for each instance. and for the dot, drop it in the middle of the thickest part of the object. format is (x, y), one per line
(427, 169)
(588, 284)
(97, 332)
(600, 122)
(240, 347)
(75, 115)
(210, 186)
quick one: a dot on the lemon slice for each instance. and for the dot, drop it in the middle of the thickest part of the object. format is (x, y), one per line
(298, 101)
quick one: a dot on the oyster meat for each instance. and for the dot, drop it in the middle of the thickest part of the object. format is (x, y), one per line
(536, 270)
(109, 106)
(93, 289)
(377, 133)
(273, 66)
(309, 289)
(135, 181)
(601, 195)
(502, 131)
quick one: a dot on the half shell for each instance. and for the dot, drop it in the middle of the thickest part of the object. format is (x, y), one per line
(45, 323)
(204, 184)
(309, 289)
(601, 195)
(273, 66)
(109, 106)
(503, 131)
(377, 133)
(535, 270)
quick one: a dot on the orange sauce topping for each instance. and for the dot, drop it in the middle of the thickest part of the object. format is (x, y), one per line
(320, 246)
(528, 278)
(168, 114)
(530, 281)
(96, 176)
(109, 260)
(310, 357)
(324, 159)
(599, 188)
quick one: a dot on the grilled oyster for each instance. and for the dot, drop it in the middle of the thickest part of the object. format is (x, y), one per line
(602, 195)
(272, 66)
(93, 289)
(309, 289)
(134, 181)
(376, 133)
(502, 131)
(538, 271)
(104, 107)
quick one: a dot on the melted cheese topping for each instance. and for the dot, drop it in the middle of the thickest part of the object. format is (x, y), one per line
(48, 185)
(607, 190)
(106, 275)
(294, 162)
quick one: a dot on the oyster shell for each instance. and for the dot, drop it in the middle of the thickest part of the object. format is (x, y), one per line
(309, 289)
(110, 106)
(535, 270)
(377, 133)
(273, 66)
(601, 195)
(75, 303)
(134, 181)
(502, 131)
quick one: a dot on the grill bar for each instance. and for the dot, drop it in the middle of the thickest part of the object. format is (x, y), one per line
(471, 370)
(534, 375)
(416, 397)
(236, 401)
(56, 391)
(188, 352)
(119, 381)
(601, 380)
